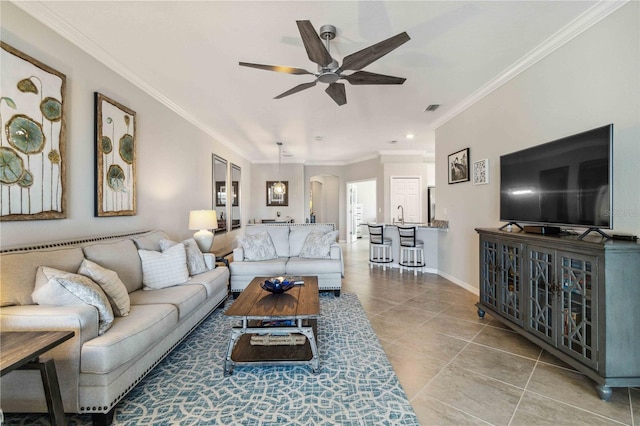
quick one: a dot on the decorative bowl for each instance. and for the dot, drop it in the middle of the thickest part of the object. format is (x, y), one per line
(277, 285)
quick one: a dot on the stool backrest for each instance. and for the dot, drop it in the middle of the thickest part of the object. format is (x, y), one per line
(375, 234)
(407, 236)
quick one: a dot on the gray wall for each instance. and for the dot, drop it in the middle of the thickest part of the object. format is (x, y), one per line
(591, 81)
(173, 156)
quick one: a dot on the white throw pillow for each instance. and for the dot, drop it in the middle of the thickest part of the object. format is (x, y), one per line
(258, 246)
(317, 245)
(195, 258)
(166, 269)
(111, 284)
(60, 288)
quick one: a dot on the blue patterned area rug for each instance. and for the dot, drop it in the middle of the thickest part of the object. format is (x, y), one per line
(356, 384)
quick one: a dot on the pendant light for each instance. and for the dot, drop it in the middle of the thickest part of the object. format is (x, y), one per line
(279, 187)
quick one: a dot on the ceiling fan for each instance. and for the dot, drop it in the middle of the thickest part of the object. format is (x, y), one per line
(328, 69)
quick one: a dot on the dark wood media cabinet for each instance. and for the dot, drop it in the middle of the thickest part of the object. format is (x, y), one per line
(577, 299)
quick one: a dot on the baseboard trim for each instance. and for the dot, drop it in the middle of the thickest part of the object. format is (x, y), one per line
(473, 289)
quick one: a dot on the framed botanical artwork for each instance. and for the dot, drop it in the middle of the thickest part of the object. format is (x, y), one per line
(459, 166)
(32, 141)
(115, 139)
(481, 172)
(274, 199)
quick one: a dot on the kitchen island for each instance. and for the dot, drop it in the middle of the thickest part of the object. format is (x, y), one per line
(427, 233)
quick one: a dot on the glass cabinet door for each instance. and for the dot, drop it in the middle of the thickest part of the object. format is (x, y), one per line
(489, 272)
(510, 285)
(576, 300)
(541, 286)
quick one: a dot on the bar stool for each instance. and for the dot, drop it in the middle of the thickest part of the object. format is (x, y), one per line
(411, 250)
(379, 247)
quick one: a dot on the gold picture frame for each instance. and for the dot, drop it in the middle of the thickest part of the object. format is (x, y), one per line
(115, 142)
(33, 141)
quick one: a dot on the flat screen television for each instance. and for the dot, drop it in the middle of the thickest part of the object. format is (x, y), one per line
(563, 182)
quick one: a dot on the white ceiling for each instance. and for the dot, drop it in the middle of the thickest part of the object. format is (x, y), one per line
(186, 54)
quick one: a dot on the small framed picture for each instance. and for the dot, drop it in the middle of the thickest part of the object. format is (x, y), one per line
(481, 172)
(459, 166)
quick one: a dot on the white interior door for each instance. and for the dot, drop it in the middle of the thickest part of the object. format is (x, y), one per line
(406, 192)
(352, 221)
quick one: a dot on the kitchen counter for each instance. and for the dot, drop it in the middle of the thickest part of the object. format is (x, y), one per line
(427, 233)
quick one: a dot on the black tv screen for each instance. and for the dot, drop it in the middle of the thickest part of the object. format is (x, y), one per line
(563, 182)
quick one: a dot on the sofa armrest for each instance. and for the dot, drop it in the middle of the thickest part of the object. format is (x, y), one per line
(238, 254)
(18, 386)
(209, 260)
(335, 252)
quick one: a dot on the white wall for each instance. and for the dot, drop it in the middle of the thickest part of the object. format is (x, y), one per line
(261, 173)
(367, 197)
(591, 81)
(173, 156)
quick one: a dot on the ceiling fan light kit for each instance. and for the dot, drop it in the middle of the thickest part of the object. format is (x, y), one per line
(329, 71)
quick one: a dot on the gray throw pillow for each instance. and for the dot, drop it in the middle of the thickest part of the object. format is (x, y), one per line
(258, 246)
(317, 245)
(60, 288)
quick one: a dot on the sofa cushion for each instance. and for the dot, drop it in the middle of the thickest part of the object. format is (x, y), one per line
(54, 287)
(317, 245)
(306, 266)
(186, 298)
(150, 240)
(164, 269)
(129, 338)
(214, 281)
(195, 258)
(257, 247)
(110, 283)
(298, 234)
(279, 236)
(266, 268)
(121, 257)
(18, 271)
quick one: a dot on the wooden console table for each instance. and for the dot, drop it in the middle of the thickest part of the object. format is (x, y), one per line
(21, 351)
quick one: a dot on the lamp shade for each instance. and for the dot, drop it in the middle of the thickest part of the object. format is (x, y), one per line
(202, 219)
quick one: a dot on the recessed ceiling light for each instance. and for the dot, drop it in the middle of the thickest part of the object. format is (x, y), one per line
(410, 135)
(392, 142)
(318, 138)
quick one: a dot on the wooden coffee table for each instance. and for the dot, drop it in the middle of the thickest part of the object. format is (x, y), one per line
(255, 307)
(21, 351)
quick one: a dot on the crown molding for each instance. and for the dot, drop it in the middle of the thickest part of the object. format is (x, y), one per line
(41, 12)
(590, 17)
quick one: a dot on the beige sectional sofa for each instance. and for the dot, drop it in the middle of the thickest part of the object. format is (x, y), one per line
(96, 371)
(289, 240)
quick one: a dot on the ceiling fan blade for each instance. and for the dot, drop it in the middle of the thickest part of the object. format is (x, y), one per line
(296, 89)
(337, 93)
(365, 77)
(316, 50)
(278, 68)
(362, 58)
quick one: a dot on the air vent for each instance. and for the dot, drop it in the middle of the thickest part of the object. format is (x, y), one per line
(432, 107)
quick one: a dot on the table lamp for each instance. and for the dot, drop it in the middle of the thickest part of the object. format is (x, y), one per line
(203, 220)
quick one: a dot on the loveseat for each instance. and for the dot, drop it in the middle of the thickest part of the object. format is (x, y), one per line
(291, 257)
(97, 368)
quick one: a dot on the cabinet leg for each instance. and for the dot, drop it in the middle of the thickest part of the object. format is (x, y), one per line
(604, 392)
(481, 313)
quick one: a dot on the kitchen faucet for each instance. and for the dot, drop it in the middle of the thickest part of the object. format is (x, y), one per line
(401, 217)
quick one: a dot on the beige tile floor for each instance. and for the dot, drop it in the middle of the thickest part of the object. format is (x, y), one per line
(458, 369)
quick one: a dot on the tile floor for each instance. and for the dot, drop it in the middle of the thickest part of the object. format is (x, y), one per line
(458, 369)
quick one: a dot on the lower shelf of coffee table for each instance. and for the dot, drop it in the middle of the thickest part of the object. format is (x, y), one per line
(244, 351)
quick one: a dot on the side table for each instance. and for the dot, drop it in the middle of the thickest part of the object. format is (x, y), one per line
(21, 351)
